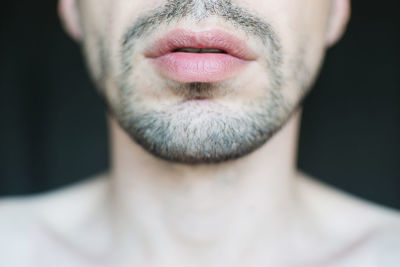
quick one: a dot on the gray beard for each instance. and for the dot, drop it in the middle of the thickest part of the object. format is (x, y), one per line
(194, 132)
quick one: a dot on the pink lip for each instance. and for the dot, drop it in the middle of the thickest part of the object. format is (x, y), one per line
(199, 67)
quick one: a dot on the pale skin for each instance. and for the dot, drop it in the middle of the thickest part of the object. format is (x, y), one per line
(257, 210)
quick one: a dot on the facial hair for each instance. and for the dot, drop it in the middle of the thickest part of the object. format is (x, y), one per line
(192, 132)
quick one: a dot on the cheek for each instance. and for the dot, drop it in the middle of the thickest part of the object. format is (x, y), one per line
(304, 21)
(301, 26)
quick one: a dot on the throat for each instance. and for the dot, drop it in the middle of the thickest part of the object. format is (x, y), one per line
(191, 209)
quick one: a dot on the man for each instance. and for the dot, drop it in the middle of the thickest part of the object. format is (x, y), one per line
(203, 99)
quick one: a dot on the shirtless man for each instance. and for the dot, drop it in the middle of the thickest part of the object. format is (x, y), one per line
(203, 108)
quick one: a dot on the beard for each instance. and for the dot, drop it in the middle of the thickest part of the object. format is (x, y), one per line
(194, 131)
(200, 125)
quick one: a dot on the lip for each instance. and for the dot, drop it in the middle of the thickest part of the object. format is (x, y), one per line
(199, 67)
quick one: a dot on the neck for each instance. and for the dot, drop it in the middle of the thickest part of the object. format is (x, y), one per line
(219, 208)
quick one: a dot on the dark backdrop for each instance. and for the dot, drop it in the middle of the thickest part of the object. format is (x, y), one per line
(53, 129)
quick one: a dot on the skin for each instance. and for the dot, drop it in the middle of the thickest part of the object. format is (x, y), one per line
(203, 201)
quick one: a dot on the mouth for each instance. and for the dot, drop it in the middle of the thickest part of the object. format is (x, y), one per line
(199, 50)
(207, 56)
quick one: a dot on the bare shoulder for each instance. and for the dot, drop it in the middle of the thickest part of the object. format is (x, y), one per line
(385, 245)
(327, 200)
(380, 247)
(54, 204)
(371, 230)
(24, 220)
(16, 232)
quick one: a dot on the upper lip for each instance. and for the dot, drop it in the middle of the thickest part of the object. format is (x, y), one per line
(213, 39)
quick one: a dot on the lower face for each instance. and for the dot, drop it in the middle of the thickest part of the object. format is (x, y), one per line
(203, 81)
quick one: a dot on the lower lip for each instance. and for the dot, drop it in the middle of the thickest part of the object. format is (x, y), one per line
(198, 67)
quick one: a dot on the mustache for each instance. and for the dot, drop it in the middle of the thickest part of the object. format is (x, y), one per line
(200, 10)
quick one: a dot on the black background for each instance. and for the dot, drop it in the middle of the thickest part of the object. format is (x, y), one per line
(53, 129)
